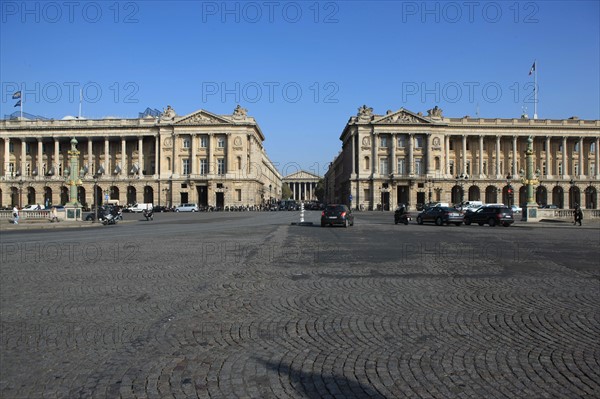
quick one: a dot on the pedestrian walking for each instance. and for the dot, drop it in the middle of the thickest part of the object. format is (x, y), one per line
(53, 215)
(15, 214)
(577, 215)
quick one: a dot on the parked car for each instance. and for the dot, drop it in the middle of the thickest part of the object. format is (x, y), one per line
(337, 214)
(162, 208)
(33, 207)
(549, 206)
(187, 208)
(491, 215)
(440, 215)
(516, 209)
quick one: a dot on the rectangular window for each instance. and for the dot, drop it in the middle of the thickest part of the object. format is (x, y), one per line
(576, 147)
(576, 169)
(203, 166)
(185, 166)
(186, 142)
(11, 147)
(238, 194)
(221, 142)
(203, 141)
(383, 166)
(419, 142)
(221, 166)
(592, 169)
(560, 148)
(401, 166)
(27, 148)
(401, 141)
(418, 170)
(451, 144)
(593, 148)
(383, 141)
(451, 167)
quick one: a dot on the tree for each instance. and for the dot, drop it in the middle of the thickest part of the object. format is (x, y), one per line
(320, 190)
(286, 192)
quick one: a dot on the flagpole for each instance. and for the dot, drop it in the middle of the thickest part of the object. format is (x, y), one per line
(80, 97)
(535, 90)
(22, 100)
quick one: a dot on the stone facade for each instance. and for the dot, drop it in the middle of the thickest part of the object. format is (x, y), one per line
(203, 158)
(403, 157)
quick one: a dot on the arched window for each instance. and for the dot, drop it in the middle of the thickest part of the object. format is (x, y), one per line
(367, 163)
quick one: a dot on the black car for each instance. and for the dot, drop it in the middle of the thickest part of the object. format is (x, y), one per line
(440, 215)
(337, 214)
(492, 215)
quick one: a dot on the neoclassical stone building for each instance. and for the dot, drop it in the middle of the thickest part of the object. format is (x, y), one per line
(202, 158)
(403, 157)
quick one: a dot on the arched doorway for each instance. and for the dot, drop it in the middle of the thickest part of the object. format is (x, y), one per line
(574, 197)
(491, 194)
(457, 194)
(558, 197)
(522, 195)
(30, 195)
(148, 195)
(474, 193)
(541, 196)
(14, 196)
(47, 196)
(114, 193)
(131, 195)
(81, 196)
(591, 198)
(64, 195)
(98, 197)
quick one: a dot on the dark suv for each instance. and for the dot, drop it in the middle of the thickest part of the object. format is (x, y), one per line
(337, 214)
(491, 215)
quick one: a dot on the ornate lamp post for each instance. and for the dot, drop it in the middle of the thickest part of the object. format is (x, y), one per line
(509, 190)
(97, 175)
(460, 181)
(530, 180)
(73, 207)
(20, 183)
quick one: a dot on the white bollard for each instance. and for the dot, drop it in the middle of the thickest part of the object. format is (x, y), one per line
(302, 212)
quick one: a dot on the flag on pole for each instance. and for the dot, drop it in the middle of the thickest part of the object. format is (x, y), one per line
(532, 70)
(18, 104)
(16, 95)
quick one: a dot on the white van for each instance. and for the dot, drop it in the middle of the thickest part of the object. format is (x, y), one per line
(140, 207)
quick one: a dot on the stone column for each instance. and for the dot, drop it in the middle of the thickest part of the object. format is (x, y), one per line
(597, 158)
(447, 155)
(410, 166)
(498, 171)
(464, 155)
(481, 171)
(107, 168)
(428, 167)
(209, 159)
(374, 162)
(56, 157)
(353, 147)
(23, 158)
(548, 157)
(176, 166)
(90, 161)
(40, 158)
(124, 170)
(141, 156)
(513, 170)
(564, 158)
(7, 156)
(156, 155)
(194, 143)
(394, 168)
(581, 163)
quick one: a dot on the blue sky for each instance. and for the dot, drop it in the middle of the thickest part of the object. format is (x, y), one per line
(301, 68)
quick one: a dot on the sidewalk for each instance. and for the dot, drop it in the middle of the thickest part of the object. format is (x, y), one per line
(7, 225)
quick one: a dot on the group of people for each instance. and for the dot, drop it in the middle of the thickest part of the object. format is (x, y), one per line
(16, 213)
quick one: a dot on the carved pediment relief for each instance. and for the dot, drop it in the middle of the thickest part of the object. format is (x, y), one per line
(400, 117)
(202, 118)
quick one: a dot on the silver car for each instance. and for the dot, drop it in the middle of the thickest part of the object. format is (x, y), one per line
(187, 208)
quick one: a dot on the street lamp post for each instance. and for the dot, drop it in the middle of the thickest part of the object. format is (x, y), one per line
(460, 180)
(20, 183)
(97, 175)
(530, 211)
(429, 188)
(509, 190)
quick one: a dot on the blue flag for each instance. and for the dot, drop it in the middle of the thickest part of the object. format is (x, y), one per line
(18, 104)
(16, 95)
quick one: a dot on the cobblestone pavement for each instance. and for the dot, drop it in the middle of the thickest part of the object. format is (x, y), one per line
(246, 305)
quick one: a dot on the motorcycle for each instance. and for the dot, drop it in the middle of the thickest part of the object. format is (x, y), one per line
(108, 218)
(148, 214)
(401, 216)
